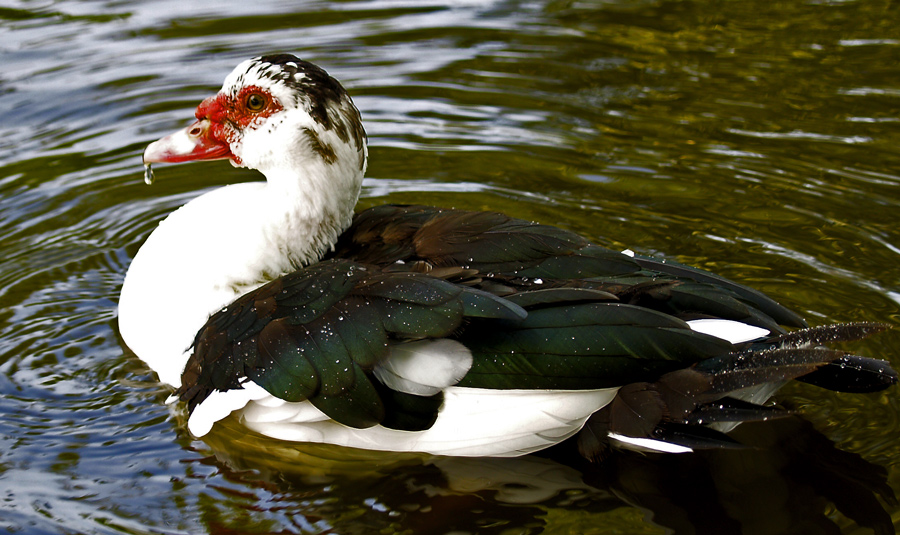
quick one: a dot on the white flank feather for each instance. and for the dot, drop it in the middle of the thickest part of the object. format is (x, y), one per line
(425, 367)
(732, 331)
(647, 444)
(219, 404)
(291, 412)
(473, 422)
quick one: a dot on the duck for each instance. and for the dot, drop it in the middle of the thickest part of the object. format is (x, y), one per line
(409, 328)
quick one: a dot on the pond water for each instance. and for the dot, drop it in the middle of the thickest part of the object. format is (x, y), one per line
(756, 139)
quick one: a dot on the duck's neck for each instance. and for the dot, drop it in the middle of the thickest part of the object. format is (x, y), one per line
(300, 220)
(223, 244)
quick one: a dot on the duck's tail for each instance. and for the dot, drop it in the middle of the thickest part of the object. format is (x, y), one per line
(693, 408)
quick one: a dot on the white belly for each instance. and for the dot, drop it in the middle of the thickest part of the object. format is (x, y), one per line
(472, 422)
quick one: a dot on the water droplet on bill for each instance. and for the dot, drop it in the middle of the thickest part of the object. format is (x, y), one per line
(148, 174)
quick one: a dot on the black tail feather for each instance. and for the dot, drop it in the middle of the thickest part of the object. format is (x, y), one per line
(728, 389)
(823, 334)
(694, 437)
(854, 374)
(731, 410)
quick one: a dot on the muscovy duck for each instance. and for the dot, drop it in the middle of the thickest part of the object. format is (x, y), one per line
(412, 328)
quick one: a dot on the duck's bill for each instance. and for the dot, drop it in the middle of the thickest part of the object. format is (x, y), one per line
(187, 145)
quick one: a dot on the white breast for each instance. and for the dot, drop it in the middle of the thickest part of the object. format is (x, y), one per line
(175, 282)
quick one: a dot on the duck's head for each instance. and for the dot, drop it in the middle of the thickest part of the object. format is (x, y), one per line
(278, 114)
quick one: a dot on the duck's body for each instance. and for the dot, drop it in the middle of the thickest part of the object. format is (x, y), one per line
(414, 328)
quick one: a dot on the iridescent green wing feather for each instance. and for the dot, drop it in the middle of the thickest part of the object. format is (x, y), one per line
(316, 335)
(587, 345)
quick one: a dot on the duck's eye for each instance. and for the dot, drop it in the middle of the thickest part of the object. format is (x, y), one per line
(255, 102)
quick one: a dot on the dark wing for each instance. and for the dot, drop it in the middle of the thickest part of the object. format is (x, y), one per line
(584, 345)
(486, 241)
(599, 318)
(317, 333)
(539, 307)
(759, 300)
(508, 256)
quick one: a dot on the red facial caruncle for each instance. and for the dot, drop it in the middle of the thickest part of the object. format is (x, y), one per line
(220, 121)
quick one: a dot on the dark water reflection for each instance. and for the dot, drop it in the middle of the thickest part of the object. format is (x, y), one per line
(790, 480)
(757, 139)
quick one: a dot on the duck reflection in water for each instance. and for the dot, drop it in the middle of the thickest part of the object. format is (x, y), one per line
(784, 477)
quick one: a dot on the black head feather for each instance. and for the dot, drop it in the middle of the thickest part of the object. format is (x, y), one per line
(326, 100)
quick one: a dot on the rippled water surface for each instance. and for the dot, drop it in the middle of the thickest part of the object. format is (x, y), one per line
(757, 139)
